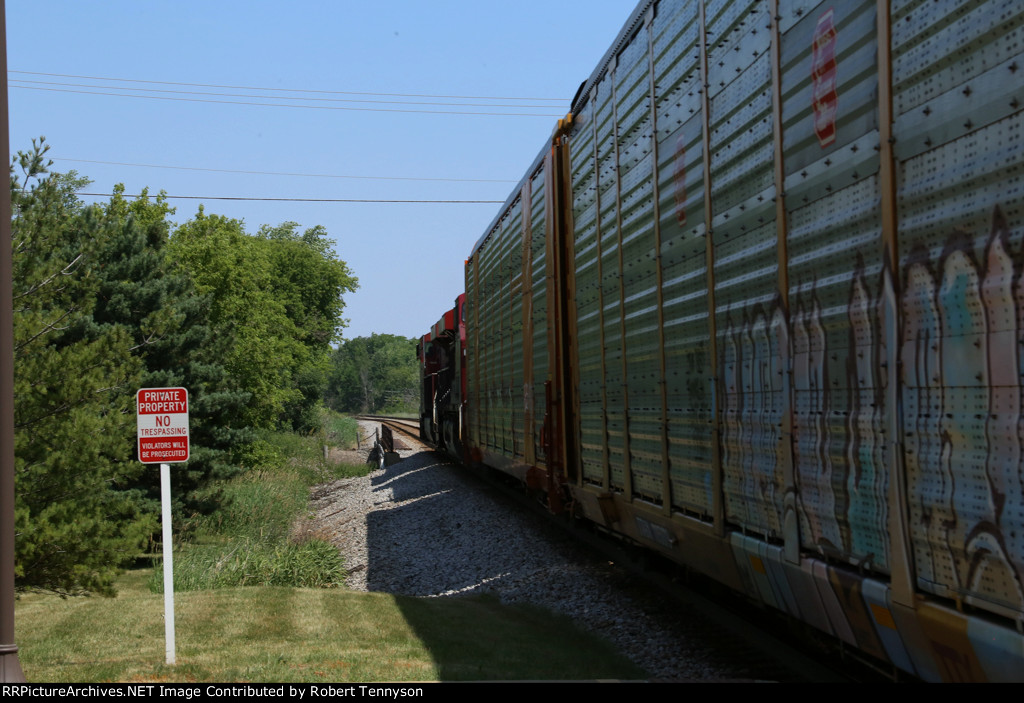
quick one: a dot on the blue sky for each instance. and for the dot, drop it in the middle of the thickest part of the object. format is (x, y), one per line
(408, 257)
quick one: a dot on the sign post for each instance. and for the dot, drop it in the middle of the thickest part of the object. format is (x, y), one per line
(162, 421)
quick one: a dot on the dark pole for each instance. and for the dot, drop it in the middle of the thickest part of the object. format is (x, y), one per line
(10, 667)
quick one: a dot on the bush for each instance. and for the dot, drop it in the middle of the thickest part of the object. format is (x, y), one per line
(248, 540)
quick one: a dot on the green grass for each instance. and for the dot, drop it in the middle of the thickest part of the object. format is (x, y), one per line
(248, 541)
(340, 430)
(274, 634)
(251, 605)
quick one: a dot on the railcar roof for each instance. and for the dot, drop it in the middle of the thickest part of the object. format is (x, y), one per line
(580, 100)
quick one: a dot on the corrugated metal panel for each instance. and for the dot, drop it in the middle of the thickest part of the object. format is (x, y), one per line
(514, 365)
(746, 265)
(487, 332)
(494, 322)
(835, 280)
(611, 292)
(588, 301)
(638, 276)
(540, 311)
(960, 149)
(683, 255)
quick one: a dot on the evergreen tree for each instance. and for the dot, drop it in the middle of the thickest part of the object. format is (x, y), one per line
(74, 385)
(141, 290)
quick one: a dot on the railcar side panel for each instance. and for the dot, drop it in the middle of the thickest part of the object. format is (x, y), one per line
(637, 276)
(534, 388)
(515, 365)
(506, 324)
(683, 257)
(780, 319)
(959, 77)
(489, 301)
(613, 349)
(589, 298)
(835, 272)
(742, 195)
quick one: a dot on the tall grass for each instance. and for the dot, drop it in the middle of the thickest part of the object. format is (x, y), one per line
(340, 430)
(247, 541)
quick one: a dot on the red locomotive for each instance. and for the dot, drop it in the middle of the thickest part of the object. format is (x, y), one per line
(442, 355)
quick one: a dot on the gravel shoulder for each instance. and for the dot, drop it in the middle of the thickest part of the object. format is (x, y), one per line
(422, 527)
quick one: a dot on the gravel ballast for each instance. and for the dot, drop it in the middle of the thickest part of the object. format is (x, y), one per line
(423, 527)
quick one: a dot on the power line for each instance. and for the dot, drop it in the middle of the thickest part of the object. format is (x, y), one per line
(287, 90)
(282, 173)
(271, 97)
(301, 200)
(304, 107)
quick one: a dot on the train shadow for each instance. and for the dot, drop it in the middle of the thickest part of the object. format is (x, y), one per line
(430, 535)
(424, 539)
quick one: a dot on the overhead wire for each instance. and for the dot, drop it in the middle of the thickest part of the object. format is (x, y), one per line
(300, 200)
(289, 90)
(285, 173)
(72, 88)
(301, 107)
(283, 97)
(137, 90)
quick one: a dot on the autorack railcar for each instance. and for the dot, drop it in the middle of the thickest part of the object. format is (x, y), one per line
(759, 306)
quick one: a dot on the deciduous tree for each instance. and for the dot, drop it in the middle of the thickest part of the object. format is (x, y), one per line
(369, 374)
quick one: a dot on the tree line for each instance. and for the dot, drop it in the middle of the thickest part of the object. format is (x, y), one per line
(113, 297)
(374, 374)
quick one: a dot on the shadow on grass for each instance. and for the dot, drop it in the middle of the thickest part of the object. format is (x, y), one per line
(428, 543)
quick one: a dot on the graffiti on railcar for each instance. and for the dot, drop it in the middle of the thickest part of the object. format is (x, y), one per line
(962, 317)
(839, 474)
(863, 501)
(963, 420)
(752, 419)
(813, 461)
(838, 438)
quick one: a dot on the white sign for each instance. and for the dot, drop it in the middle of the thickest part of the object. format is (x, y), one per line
(162, 417)
(162, 420)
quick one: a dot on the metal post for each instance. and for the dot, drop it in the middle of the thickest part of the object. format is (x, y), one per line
(165, 505)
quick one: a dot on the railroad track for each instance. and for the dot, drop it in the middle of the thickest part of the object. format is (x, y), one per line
(739, 627)
(732, 626)
(407, 427)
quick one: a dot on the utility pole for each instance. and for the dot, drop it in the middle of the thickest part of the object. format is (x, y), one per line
(10, 667)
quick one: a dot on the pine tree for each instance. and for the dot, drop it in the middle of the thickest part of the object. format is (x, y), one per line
(143, 291)
(74, 380)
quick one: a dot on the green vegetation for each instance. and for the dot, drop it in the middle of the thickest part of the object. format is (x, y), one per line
(252, 540)
(340, 430)
(115, 297)
(277, 297)
(376, 374)
(73, 423)
(273, 634)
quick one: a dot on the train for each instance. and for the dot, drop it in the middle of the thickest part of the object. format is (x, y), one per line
(758, 306)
